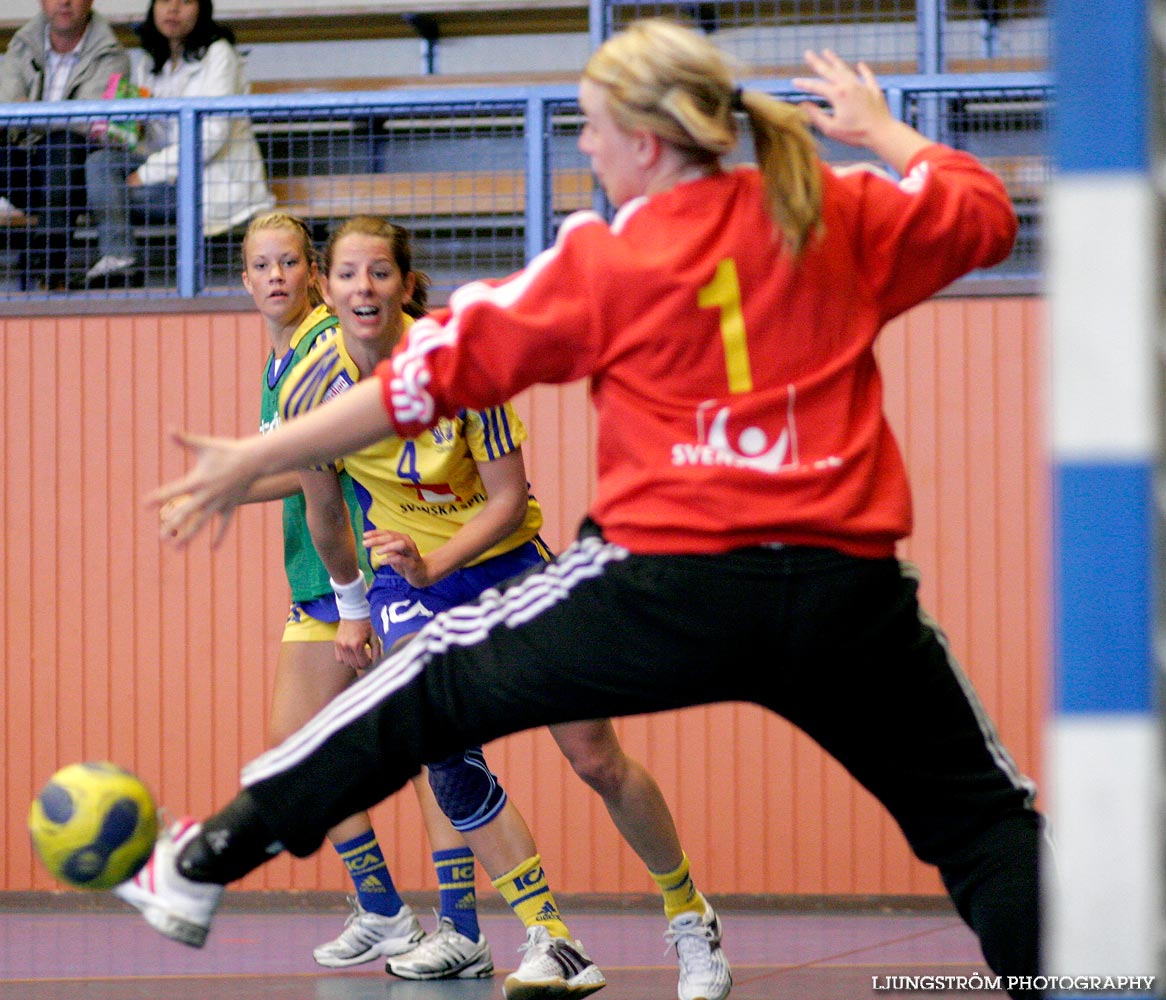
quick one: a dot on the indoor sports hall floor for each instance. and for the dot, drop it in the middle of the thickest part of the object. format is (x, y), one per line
(58, 952)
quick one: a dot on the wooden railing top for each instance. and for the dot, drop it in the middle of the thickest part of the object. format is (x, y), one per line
(256, 24)
(424, 195)
(325, 85)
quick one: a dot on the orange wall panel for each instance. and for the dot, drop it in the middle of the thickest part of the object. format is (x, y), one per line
(115, 647)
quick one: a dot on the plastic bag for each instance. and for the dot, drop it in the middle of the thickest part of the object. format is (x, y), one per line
(122, 132)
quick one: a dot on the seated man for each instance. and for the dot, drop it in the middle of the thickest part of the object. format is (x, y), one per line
(66, 52)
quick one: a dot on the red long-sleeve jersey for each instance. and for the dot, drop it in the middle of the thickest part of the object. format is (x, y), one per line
(736, 388)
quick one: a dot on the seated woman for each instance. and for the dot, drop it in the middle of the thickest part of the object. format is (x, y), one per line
(185, 53)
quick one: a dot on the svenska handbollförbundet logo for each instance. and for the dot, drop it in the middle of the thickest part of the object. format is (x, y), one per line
(720, 442)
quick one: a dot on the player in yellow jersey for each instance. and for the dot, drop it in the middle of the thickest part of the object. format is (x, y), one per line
(281, 274)
(449, 514)
(431, 487)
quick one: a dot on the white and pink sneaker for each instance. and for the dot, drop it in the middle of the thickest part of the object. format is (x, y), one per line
(171, 903)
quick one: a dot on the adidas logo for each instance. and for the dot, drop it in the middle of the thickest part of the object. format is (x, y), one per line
(548, 912)
(371, 884)
(468, 902)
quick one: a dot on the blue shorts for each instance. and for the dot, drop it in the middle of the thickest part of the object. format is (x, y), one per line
(312, 621)
(321, 608)
(399, 609)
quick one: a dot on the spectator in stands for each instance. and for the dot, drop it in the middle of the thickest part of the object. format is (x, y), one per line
(185, 53)
(67, 52)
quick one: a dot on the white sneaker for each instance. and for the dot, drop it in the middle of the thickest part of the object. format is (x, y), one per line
(552, 967)
(9, 213)
(704, 969)
(369, 935)
(171, 903)
(445, 954)
(110, 265)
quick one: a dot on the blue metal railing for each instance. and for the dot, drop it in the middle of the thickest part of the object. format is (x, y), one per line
(537, 103)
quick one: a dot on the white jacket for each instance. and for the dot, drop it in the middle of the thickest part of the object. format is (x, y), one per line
(234, 184)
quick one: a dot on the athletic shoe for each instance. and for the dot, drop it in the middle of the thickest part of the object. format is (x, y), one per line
(10, 215)
(171, 903)
(369, 935)
(704, 969)
(445, 954)
(111, 265)
(552, 968)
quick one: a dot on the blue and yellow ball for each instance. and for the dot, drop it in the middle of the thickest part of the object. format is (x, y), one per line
(93, 825)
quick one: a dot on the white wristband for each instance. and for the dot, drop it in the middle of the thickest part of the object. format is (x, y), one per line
(351, 599)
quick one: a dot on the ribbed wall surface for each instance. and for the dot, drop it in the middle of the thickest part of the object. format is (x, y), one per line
(116, 648)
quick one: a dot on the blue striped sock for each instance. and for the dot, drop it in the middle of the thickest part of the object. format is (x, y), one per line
(459, 898)
(365, 862)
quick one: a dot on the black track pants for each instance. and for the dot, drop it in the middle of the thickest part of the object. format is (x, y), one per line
(837, 645)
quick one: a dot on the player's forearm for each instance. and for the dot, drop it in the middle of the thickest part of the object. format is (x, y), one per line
(480, 534)
(332, 536)
(348, 423)
(895, 143)
(277, 487)
(507, 498)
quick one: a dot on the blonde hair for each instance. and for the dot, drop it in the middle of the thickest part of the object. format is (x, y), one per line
(292, 224)
(670, 80)
(400, 248)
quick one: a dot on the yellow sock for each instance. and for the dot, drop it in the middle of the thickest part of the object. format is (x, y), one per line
(525, 889)
(680, 895)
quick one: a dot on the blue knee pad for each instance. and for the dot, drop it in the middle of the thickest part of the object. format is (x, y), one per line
(467, 790)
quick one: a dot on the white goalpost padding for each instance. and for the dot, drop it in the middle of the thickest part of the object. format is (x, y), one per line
(1104, 874)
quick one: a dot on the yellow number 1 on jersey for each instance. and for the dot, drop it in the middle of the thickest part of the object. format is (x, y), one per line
(724, 293)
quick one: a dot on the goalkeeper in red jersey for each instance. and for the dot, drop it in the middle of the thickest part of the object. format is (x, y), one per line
(726, 322)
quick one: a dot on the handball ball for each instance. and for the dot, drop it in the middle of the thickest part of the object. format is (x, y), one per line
(93, 825)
